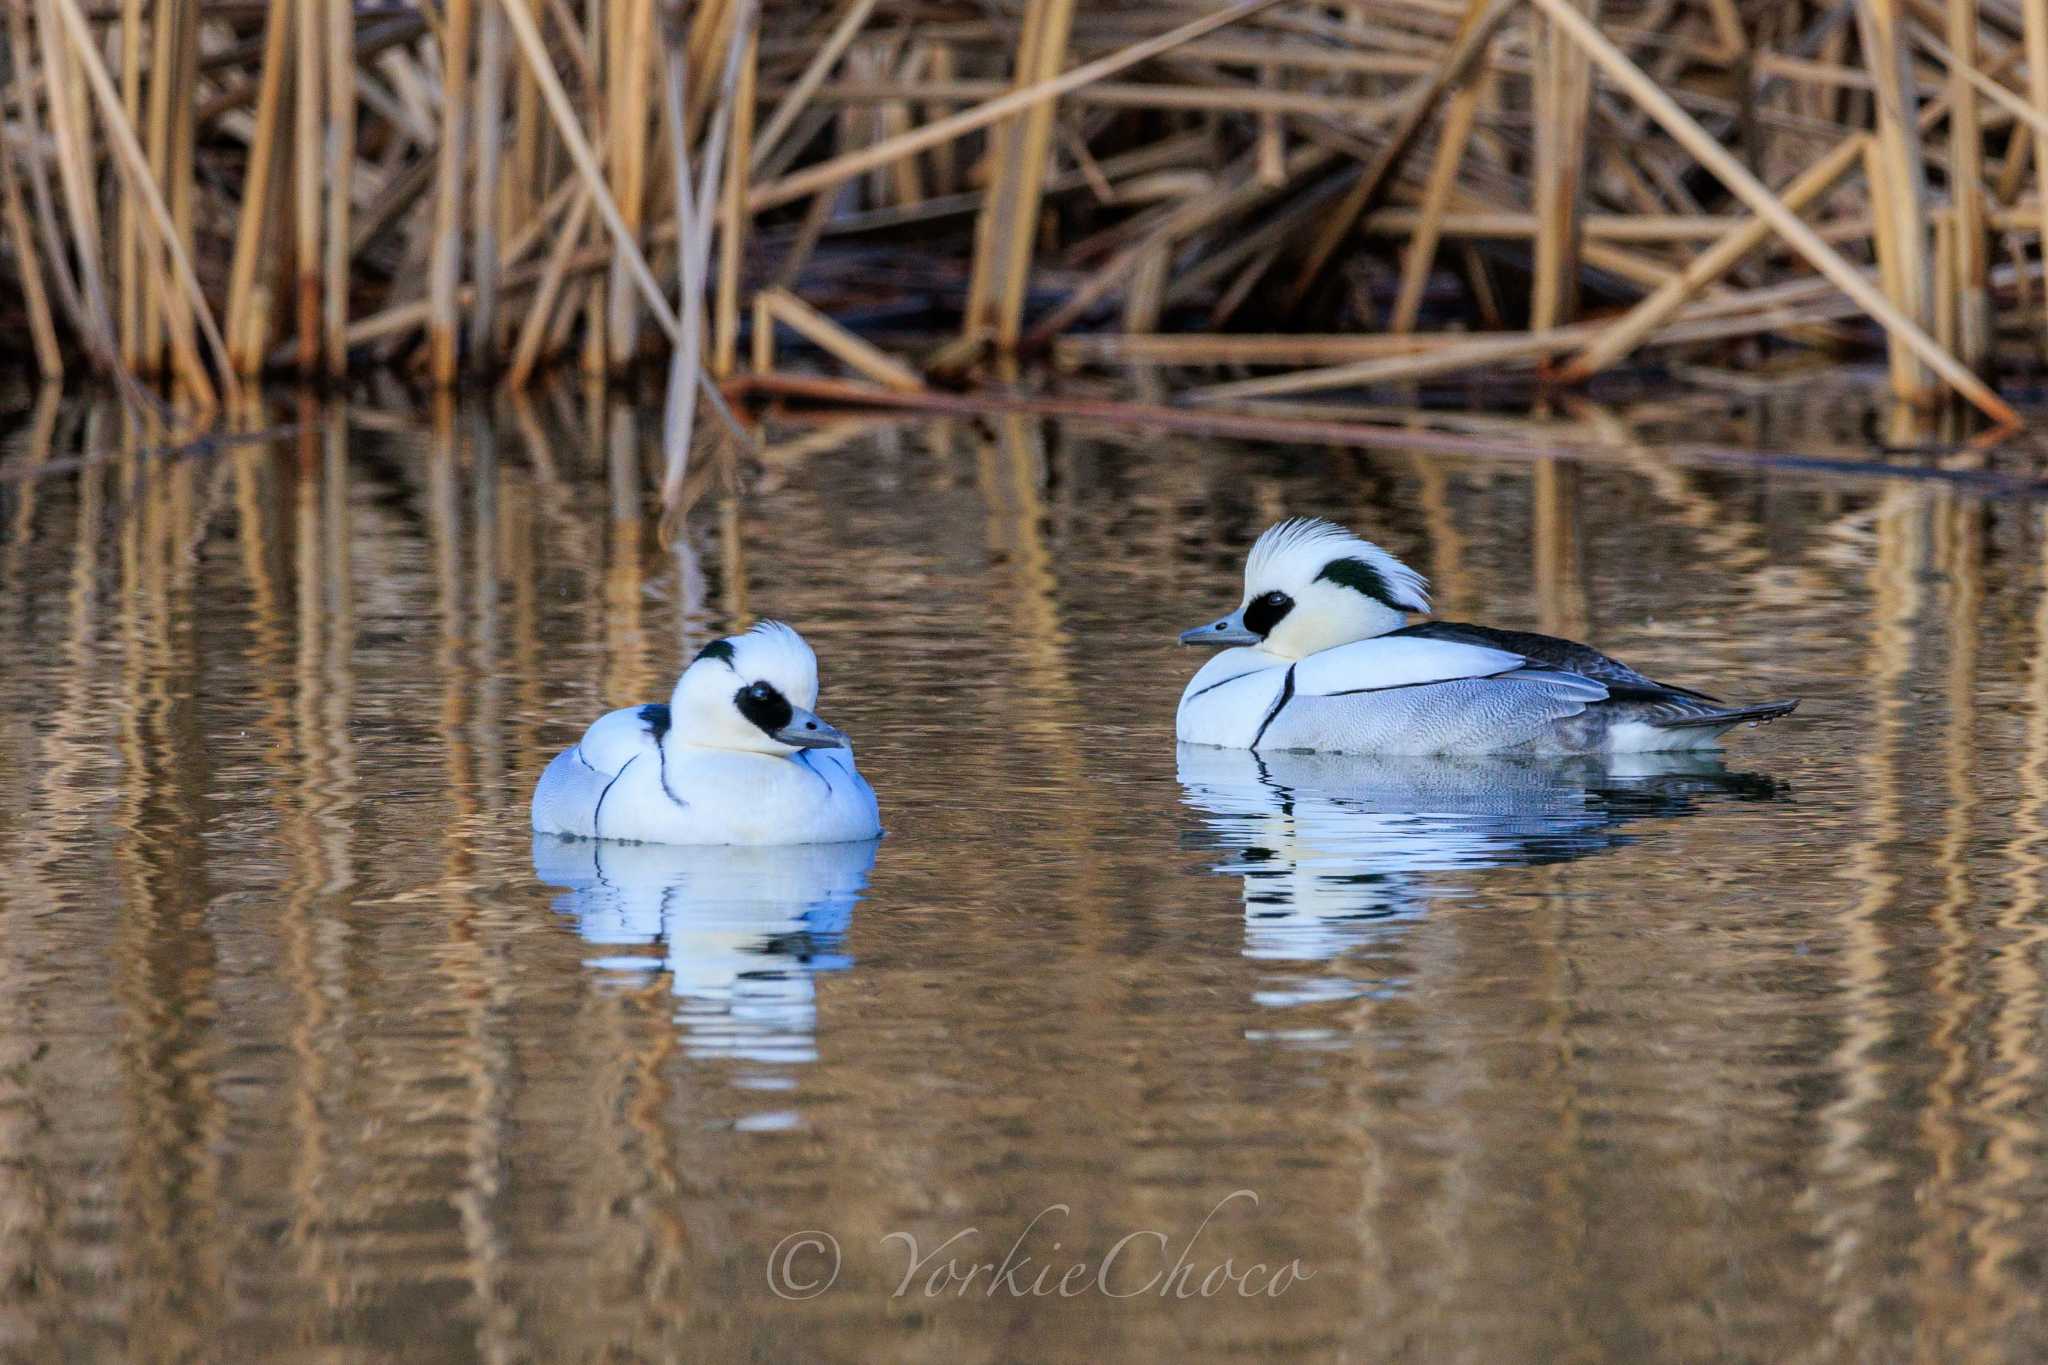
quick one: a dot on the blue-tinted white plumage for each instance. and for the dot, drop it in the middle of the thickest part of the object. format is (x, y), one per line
(743, 932)
(1322, 659)
(736, 756)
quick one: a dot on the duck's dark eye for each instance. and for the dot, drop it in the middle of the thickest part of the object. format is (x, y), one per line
(1265, 611)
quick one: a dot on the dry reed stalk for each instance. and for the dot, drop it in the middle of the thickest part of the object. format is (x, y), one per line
(246, 340)
(340, 164)
(837, 342)
(533, 332)
(41, 326)
(136, 168)
(710, 33)
(1890, 251)
(580, 152)
(1475, 29)
(1626, 333)
(849, 164)
(310, 81)
(1944, 302)
(128, 250)
(1436, 197)
(872, 89)
(893, 118)
(1966, 190)
(1240, 348)
(74, 176)
(1563, 96)
(1017, 161)
(445, 258)
(679, 411)
(68, 291)
(1272, 137)
(627, 66)
(763, 356)
(528, 175)
(1674, 231)
(151, 338)
(798, 97)
(1194, 214)
(942, 65)
(181, 190)
(737, 106)
(2035, 35)
(486, 190)
(1806, 302)
(1731, 173)
(1903, 204)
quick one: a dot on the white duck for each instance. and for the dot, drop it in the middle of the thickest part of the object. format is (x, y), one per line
(735, 757)
(1325, 662)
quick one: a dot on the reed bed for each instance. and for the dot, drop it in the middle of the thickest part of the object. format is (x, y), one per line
(1237, 203)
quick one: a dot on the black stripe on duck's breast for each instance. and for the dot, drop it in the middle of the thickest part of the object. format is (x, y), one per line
(1286, 695)
(597, 813)
(1235, 677)
(655, 718)
(766, 707)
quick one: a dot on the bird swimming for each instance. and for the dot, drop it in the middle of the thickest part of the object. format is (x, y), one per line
(735, 756)
(1320, 657)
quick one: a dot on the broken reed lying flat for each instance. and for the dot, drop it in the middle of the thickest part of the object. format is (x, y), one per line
(1349, 193)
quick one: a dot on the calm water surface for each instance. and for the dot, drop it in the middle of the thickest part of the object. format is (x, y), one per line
(309, 1050)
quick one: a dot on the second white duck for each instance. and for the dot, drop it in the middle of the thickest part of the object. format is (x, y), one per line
(736, 756)
(1322, 659)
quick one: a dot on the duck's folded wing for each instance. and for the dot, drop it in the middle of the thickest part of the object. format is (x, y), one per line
(567, 797)
(1387, 662)
(1549, 651)
(618, 737)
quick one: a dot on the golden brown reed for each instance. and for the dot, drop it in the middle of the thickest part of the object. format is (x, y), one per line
(200, 190)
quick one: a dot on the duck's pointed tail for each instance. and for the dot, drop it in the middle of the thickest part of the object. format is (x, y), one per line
(1718, 718)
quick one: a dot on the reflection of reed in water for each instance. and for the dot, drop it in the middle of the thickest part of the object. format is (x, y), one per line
(1336, 850)
(742, 930)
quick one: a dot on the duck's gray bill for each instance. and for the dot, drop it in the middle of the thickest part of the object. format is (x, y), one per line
(806, 731)
(1229, 631)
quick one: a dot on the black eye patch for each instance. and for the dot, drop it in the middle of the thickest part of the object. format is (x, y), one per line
(767, 708)
(1264, 612)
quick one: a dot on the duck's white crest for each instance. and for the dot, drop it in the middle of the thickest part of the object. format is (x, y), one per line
(705, 707)
(1299, 549)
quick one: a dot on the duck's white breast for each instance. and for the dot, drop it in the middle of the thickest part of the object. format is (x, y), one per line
(1229, 698)
(670, 793)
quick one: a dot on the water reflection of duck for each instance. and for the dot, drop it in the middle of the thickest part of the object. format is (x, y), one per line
(1334, 851)
(743, 930)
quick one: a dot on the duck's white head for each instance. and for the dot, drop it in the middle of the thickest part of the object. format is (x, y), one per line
(752, 691)
(1311, 585)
